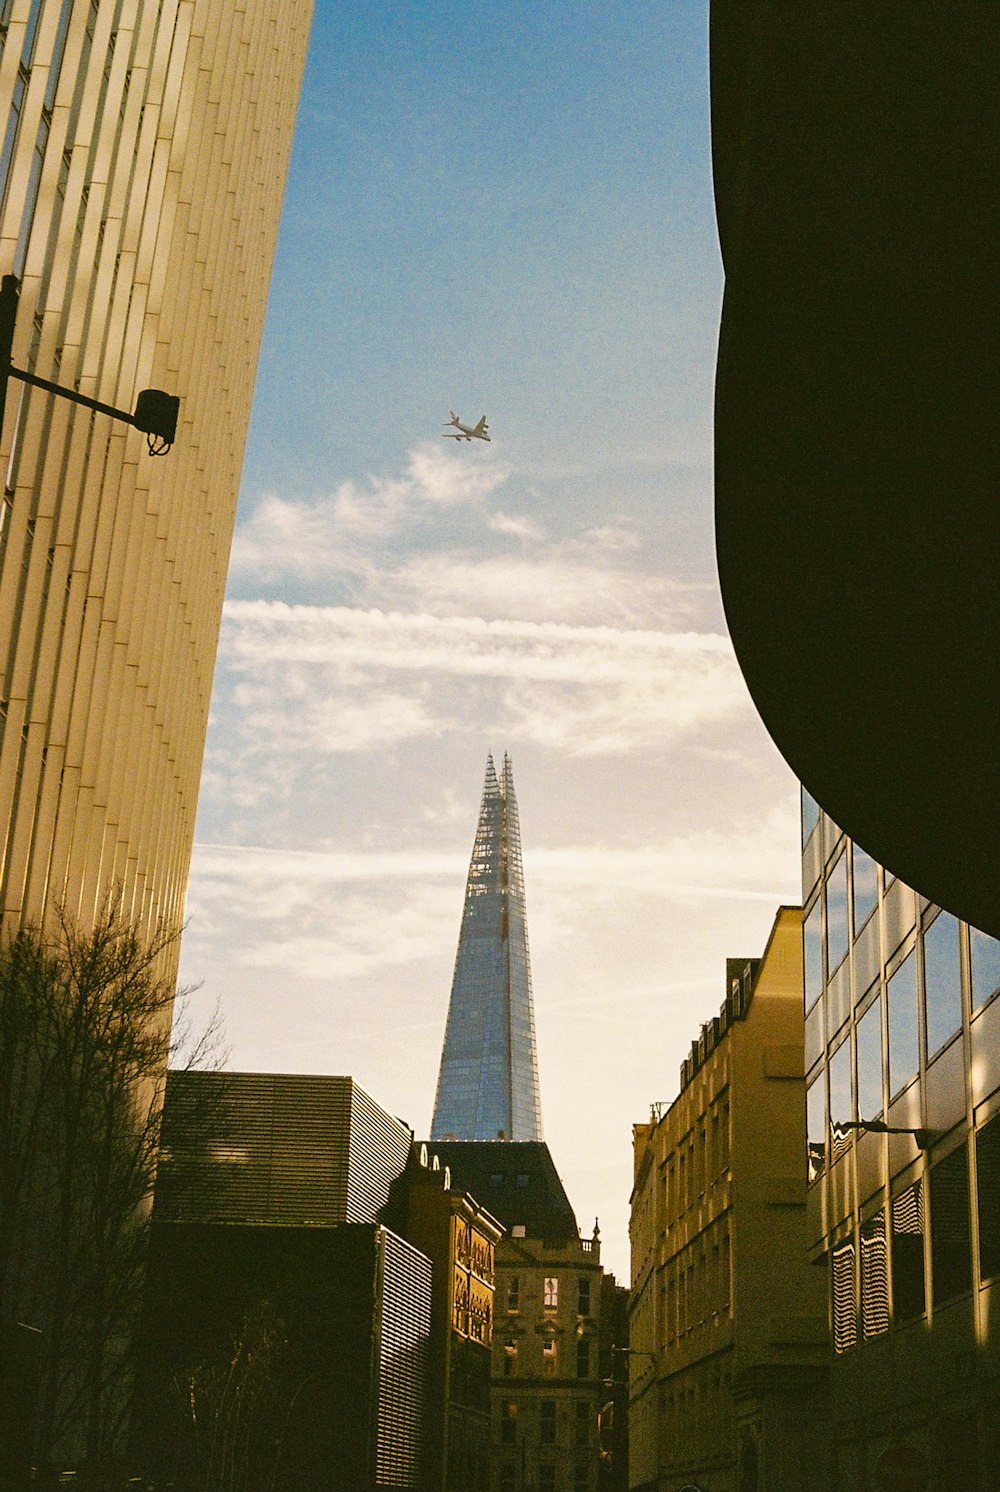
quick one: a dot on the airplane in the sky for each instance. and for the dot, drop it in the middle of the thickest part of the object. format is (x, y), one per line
(466, 432)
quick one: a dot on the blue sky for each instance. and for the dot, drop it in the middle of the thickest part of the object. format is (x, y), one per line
(507, 210)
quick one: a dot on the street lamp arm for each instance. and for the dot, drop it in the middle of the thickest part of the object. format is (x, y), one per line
(924, 1137)
(155, 411)
(57, 388)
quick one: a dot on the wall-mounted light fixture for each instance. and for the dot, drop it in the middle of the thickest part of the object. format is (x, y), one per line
(155, 412)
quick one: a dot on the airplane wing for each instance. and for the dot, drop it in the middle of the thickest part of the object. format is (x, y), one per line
(482, 427)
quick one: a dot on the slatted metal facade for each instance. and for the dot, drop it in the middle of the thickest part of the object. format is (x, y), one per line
(276, 1149)
(402, 1337)
(142, 163)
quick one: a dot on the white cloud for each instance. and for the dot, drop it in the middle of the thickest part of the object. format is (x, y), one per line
(287, 537)
(334, 679)
(557, 583)
(514, 526)
(258, 633)
(751, 861)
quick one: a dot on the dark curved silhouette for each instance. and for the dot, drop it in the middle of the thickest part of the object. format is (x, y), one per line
(855, 152)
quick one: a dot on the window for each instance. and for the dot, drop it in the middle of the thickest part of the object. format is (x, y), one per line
(583, 1358)
(514, 1293)
(836, 915)
(816, 1126)
(841, 1109)
(508, 1476)
(522, 1179)
(904, 1047)
(810, 816)
(550, 1294)
(583, 1296)
(907, 1219)
(546, 1478)
(508, 1423)
(988, 1193)
(845, 1310)
(582, 1422)
(548, 1359)
(951, 1262)
(496, 1178)
(942, 981)
(581, 1477)
(865, 879)
(812, 954)
(510, 1359)
(547, 1421)
(874, 1278)
(985, 955)
(869, 1042)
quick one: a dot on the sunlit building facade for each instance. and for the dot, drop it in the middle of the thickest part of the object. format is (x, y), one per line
(728, 1332)
(550, 1354)
(902, 1023)
(460, 1238)
(488, 1081)
(142, 163)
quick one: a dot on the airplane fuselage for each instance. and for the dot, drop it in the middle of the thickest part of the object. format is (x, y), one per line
(466, 432)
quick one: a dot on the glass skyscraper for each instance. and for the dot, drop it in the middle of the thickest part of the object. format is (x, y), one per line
(488, 1083)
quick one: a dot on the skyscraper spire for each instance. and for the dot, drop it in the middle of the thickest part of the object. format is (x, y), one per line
(488, 1083)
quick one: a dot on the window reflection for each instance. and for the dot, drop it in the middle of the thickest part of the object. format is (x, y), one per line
(845, 1310)
(874, 1278)
(816, 1127)
(942, 981)
(836, 915)
(869, 1040)
(985, 953)
(810, 816)
(904, 1045)
(812, 953)
(841, 1112)
(951, 1258)
(907, 1217)
(865, 877)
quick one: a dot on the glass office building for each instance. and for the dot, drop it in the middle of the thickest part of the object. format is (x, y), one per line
(488, 1080)
(902, 1051)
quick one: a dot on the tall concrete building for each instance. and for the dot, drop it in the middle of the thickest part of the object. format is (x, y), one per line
(143, 159)
(488, 1082)
(902, 1054)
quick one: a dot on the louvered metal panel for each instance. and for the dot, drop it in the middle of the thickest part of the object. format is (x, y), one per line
(402, 1336)
(276, 1148)
(379, 1148)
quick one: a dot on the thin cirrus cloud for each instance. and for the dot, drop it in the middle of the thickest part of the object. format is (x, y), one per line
(343, 913)
(307, 678)
(430, 540)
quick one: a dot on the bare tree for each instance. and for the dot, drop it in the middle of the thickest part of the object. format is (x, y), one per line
(232, 1410)
(85, 1040)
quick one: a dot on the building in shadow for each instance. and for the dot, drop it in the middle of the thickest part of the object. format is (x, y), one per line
(286, 1326)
